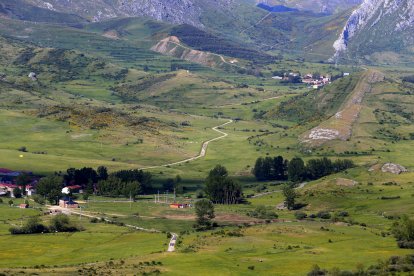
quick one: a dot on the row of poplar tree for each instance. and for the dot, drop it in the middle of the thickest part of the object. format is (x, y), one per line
(295, 170)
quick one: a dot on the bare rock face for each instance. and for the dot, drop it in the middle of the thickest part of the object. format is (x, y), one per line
(173, 11)
(33, 76)
(396, 15)
(393, 168)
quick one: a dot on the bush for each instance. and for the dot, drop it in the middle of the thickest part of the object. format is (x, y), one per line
(262, 213)
(403, 231)
(300, 215)
(38, 199)
(406, 244)
(32, 226)
(22, 149)
(62, 223)
(323, 215)
(343, 214)
(395, 265)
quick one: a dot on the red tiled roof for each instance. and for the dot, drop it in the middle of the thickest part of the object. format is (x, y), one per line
(74, 187)
(7, 185)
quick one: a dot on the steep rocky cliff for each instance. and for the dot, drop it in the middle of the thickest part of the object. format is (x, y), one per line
(376, 26)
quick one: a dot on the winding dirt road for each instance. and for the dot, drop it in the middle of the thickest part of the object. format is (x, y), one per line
(203, 151)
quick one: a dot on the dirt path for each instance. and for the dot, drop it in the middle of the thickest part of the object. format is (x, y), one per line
(173, 241)
(171, 245)
(203, 151)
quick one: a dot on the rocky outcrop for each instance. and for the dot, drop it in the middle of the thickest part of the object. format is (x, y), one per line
(33, 76)
(392, 15)
(173, 11)
(393, 168)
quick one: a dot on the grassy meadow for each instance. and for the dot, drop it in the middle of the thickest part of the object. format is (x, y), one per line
(112, 102)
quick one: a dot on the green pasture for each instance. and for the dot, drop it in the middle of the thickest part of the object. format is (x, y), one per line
(285, 248)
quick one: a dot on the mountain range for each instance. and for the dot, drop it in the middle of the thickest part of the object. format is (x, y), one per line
(369, 31)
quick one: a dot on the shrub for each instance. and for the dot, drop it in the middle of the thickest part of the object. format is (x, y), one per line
(62, 223)
(32, 226)
(300, 215)
(22, 149)
(390, 197)
(403, 231)
(262, 213)
(323, 215)
(38, 199)
(343, 214)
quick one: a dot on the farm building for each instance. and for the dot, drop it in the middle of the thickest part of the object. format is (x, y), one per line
(68, 203)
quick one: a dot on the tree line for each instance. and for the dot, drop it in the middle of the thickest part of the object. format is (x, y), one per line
(128, 183)
(295, 170)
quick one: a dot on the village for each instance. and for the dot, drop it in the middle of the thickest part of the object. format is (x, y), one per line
(313, 81)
